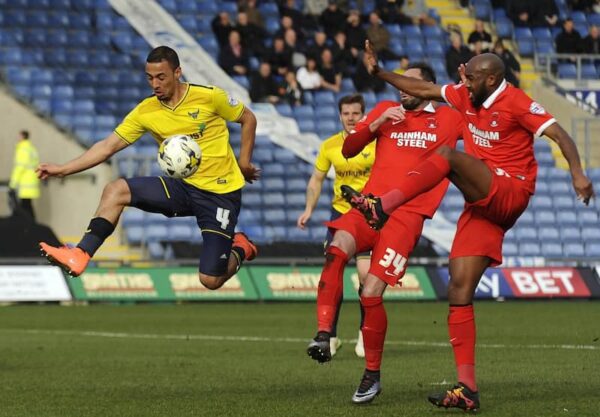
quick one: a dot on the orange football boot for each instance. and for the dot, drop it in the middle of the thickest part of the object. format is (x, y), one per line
(241, 240)
(72, 260)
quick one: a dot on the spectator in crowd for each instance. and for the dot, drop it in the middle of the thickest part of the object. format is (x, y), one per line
(591, 43)
(252, 35)
(403, 66)
(290, 9)
(24, 185)
(332, 19)
(477, 48)
(379, 37)
(331, 77)
(512, 67)
(313, 10)
(417, 11)
(286, 23)
(521, 12)
(355, 34)
(581, 5)
(263, 87)
(221, 26)
(342, 54)
(480, 34)
(363, 81)
(569, 40)
(280, 57)
(290, 90)
(457, 54)
(545, 13)
(308, 76)
(390, 12)
(291, 43)
(233, 58)
(254, 15)
(319, 43)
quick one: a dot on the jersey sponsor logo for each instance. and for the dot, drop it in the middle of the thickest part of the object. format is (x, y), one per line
(232, 100)
(357, 173)
(483, 138)
(221, 181)
(536, 108)
(494, 119)
(194, 114)
(415, 139)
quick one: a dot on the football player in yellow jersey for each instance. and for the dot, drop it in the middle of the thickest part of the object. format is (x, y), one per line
(355, 172)
(212, 195)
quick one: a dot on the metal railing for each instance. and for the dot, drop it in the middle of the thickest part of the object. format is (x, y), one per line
(548, 63)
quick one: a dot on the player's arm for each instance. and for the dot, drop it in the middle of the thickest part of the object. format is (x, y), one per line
(356, 141)
(313, 191)
(582, 184)
(412, 86)
(248, 122)
(95, 155)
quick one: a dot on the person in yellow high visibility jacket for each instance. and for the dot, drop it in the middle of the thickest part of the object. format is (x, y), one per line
(24, 183)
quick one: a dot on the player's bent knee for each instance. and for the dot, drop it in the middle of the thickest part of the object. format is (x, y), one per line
(210, 282)
(117, 191)
(373, 286)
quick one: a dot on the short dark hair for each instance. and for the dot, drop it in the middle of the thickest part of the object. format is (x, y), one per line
(164, 53)
(25, 134)
(351, 99)
(427, 72)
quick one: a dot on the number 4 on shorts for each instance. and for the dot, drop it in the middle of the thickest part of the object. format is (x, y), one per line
(394, 259)
(223, 217)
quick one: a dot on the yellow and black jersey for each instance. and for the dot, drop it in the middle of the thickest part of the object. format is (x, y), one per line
(353, 172)
(202, 113)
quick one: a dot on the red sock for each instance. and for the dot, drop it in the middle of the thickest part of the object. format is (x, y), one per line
(331, 286)
(461, 328)
(373, 330)
(420, 179)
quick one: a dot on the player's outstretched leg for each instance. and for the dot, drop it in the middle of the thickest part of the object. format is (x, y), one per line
(368, 205)
(460, 396)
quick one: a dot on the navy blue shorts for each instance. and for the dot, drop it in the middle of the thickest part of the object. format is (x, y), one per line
(336, 215)
(216, 214)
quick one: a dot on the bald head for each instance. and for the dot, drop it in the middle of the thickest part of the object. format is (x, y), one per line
(488, 63)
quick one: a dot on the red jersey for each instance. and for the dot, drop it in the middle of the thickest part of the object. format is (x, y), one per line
(501, 131)
(403, 145)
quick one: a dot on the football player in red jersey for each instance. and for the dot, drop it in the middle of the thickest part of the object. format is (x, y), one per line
(496, 175)
(405, 135)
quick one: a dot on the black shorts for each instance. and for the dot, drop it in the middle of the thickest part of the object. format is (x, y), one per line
(336, 215)
(216, 214)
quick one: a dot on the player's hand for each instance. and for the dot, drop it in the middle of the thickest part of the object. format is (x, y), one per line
(583, 187)
(44, 171)
(303, 219)
(462, 72)
(394, 113)
(370, 59)
(250, 172)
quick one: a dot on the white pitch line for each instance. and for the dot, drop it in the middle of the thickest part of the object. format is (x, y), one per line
(122, 335)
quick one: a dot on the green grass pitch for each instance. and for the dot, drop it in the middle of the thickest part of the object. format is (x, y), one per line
(235, 359)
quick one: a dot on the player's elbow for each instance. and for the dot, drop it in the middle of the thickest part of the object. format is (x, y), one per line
(248, 119)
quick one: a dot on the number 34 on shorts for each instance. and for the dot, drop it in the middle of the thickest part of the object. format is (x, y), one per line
(392, 259)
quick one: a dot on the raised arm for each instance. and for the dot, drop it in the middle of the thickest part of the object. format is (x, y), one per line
(95, 155)
(411, 86)
(581, 183)
(248, 122)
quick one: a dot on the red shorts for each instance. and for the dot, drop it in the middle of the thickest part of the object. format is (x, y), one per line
(482, 225)
(390, 246)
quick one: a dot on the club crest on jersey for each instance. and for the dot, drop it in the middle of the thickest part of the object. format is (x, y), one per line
(494, 119)
(232, 100)
(536, 108)
(431, 123)
(365, 155)
(194, 114)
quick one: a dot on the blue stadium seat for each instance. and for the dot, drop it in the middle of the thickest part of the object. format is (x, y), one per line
(411, 31)
(579, 17)
(566, 218)
(19, 75)
(273, 184)
(347, 84)
(431, 32)
(587, 218)
(295, 184)
(135, 234)
(529, 249)
(592, 249)
(563, 202)
(274, 233)
(541, 202)
(525, 47)
(156, 250)
(324, 98)
(304, 112)
(570, 234)
(329, 112)
(544, 47)
(548, 233)
(38, 4)
(263, 155)
(526, 218)
(523, 33)
(589, 72)
(552, 249)
(79, 20)
(133, 217)
(526, 233)
(318, 233)
(559, 187)
(567, 71)
(273, 199)
(275, 216)
(542, 34)
(594, 19)
(297, 199)
(62, 92)
(297, 235)
(574, 250)
(590, 233)
(545, 217)
(306, 125)
(41, 91)
(510, 249)
(180, 232)
(156, 233)
(504, 28)
(35, 38)
(284, 155)
(15, 19)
